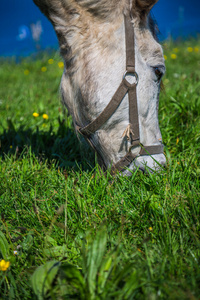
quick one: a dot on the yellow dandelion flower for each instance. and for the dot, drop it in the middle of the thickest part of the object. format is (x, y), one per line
(4, 265)
(50, 61)
(61, 64)
(190, 49)
(26, 72)
(35, 115)
(11, 146)
(45, 116)
(177, 141)
(175, 50)
(150, 228)
(196, 49)
(165, 57)
(44, 69)
(173, 56)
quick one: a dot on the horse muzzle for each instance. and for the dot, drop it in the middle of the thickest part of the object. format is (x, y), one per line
(146, 164)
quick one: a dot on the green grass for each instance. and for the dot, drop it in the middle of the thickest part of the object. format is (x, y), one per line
(121, 238)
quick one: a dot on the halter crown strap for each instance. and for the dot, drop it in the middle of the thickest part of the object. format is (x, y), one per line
(130, 44)
(124, 88)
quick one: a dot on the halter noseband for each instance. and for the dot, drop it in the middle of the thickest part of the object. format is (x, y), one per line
(124, 88)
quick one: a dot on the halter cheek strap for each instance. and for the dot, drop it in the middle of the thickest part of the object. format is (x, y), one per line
(132, 132)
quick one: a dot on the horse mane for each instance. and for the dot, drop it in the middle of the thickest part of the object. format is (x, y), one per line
(103, 9)
(153, 26)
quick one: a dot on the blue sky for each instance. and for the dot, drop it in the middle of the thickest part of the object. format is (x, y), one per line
(174, 17)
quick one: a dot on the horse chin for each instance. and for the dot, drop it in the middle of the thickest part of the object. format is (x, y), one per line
(147, 164)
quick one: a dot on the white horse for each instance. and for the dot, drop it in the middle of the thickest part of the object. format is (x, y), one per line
(93, 43)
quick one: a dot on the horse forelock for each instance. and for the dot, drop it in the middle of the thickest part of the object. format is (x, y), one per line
(104, 9)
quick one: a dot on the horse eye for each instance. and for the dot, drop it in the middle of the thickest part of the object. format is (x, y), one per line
(159, 71)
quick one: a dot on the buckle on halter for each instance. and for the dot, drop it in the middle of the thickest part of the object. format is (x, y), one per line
(130, 74)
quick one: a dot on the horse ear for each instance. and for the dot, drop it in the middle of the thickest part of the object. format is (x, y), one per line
(143, 7)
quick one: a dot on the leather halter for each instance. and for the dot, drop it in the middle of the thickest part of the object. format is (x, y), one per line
(124, 88)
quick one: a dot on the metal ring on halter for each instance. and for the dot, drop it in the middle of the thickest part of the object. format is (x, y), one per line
(134, 74)
(132, 146)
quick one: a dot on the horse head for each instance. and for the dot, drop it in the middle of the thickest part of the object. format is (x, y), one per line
(94, 36)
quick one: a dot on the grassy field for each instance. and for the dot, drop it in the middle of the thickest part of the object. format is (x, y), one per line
(68, 233)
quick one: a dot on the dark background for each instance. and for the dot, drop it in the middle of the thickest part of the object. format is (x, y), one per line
(176, 18)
